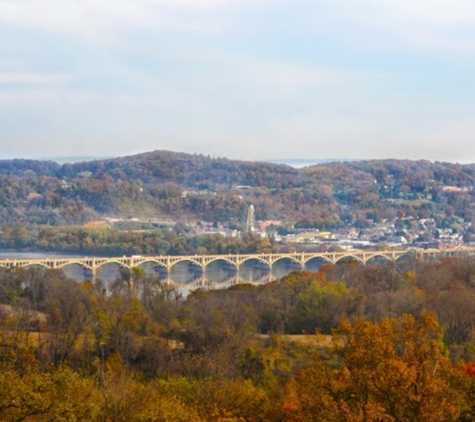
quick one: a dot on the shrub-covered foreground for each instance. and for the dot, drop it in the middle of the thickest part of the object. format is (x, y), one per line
(138, 351)
(394, 370)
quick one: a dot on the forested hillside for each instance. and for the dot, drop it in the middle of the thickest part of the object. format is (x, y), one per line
(187, 187)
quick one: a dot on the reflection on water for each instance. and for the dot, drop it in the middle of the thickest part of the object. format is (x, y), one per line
(186, 275)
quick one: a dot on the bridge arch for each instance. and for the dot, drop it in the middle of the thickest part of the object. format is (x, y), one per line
(321, 257)
(76, 270)
(314, 263)
(377, 255)
(186, 259)
(80, 263)
(223, 259)
(218, 270)
(255, 258)
(341, 259)
(153, 268)
(150, 261)
(408, 255)
(254, 267)
(112, 261)
(284, 265)
(291, 258)
(46, 266)
(185, 271)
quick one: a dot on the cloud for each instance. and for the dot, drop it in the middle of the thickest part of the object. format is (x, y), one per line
(445, 25)
(301, 77)
(7, 78)
(322, 133)
(97, 18)
(197, 4)
(273, 73)
(432, 12)
(93, 20)
(440, 24)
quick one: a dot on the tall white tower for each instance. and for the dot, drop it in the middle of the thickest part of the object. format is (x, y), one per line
(250, 219)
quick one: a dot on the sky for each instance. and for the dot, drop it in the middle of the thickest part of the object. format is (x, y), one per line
(243, 79)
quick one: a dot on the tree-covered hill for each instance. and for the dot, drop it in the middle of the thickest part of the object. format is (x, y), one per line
(190, 171)
(178, 186)
(25, 168)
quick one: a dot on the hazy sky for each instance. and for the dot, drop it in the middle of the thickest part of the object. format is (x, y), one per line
(251, 79)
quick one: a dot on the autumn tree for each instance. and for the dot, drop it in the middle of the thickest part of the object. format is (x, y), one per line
(395, 370)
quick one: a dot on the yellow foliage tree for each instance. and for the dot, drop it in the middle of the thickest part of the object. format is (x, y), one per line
(393, 371)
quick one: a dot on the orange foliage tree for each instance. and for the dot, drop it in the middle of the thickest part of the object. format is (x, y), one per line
(396, 370)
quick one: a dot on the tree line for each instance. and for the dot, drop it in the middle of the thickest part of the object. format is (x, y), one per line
(112, 242)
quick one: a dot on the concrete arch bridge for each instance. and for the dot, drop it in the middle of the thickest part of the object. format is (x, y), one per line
(234, 262)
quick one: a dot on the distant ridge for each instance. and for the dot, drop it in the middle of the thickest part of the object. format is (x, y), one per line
(306, 162)
(296, 163)
(65, 160)
(325, 194)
